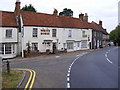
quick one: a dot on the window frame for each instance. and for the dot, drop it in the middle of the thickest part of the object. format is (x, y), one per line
(35, 32)
(1, 49)
(83, 33)
(84, 44)
(70, 33)
(8, 49)
(8, 33)
(33, 46)
(70, 45)
(54, 32)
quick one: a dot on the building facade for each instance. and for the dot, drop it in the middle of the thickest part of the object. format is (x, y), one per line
(8, 35)
(39, 32)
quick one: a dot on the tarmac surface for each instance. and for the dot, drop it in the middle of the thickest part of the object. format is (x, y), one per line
(51, 70)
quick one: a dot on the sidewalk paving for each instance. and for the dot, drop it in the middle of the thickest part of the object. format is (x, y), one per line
(50, 55)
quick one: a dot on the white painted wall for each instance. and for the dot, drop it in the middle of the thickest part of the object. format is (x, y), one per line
(40, 39)
(12, 41)
(3, 38)
(62, 36)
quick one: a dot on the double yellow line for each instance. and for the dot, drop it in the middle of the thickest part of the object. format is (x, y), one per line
(31, 79)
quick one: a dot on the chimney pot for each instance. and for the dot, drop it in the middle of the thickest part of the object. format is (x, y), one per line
(55, 12)
(100, 23)
(81, 16)
(17, 0)
(86, 17)
(17, 8)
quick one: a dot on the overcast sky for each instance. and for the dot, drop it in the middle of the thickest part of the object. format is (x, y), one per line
(105, 10)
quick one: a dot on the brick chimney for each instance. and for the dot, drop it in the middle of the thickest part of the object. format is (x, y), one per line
(17, 8)
(55, 12)
(100, 23)
(81, 16)
(86, 17)
(17, 14)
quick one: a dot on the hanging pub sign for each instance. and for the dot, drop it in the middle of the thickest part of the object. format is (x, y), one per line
(45, 31)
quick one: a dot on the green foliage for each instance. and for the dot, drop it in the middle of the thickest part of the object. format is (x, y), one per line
(11, 80)
(66, 12)
(115, 35)
(29, 8)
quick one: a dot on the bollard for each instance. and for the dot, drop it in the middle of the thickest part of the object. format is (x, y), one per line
(8, 67)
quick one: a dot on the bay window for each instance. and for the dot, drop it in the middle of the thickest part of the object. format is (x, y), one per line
(7, 48)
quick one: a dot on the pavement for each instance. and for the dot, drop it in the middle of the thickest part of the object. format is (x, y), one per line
(51, 70)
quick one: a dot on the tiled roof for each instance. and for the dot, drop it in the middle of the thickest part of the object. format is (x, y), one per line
(96, 26)
(8, 19)
(49, 20)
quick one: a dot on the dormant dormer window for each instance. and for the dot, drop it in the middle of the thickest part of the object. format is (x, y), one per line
(70, 33)
(35, 32)
(9, 33)
(54, 32)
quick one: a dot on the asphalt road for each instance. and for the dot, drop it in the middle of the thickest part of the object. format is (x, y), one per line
(98, 69)
(91, 70)
(51, 71)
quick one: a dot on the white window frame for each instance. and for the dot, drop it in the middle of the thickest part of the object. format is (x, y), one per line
(1, 49)
(70, 45)
(33, 46)
(35, 32)
(8, 49)
(70, 33)
(83, 33)
(84, 44)
(54, 32)
(78, 44)
(8, 33)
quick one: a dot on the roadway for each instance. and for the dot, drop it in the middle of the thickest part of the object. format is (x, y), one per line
(98, 69)
(95, 69)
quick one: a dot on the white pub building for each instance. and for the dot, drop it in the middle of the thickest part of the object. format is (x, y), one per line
(43, 32)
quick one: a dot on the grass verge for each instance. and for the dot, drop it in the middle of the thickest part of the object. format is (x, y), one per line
(11, 80)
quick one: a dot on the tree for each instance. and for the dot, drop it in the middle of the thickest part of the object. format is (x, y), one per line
(29, 8)
(66, 12)
(115, 35)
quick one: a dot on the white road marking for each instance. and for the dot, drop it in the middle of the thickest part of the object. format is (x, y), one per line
(109, 61)
(109, 50)
(68, 85)
(68, 75)
(57, 56)
(105, 55)
(68, 79)
(70, 66)
(69, 71)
